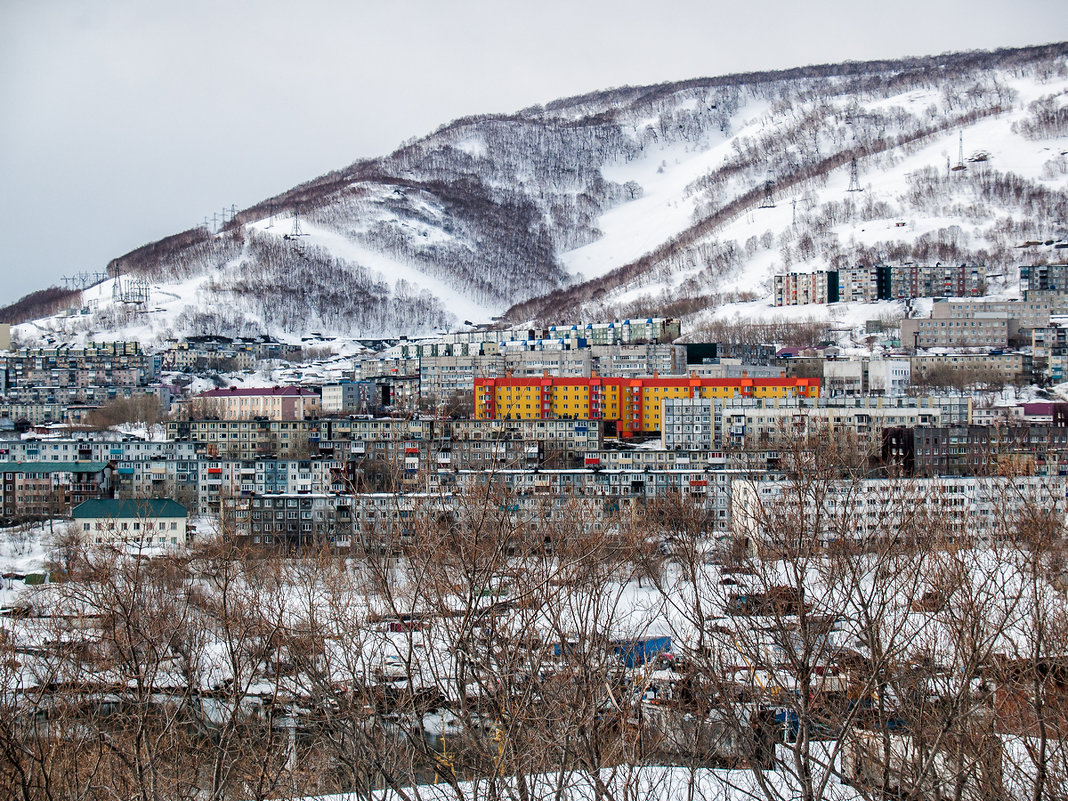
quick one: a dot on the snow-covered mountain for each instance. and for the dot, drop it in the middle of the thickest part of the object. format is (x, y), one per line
(663, 199)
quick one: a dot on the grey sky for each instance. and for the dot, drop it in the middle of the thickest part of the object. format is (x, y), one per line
(123, 121)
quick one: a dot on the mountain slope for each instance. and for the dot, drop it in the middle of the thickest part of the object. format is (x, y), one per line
(635, 200)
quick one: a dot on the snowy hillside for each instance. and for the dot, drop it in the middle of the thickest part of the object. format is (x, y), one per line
(672, 199)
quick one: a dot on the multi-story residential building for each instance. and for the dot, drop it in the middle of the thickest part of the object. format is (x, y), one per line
(270, 403)
(630, 332)
(632, 404)
(768, 516)
(584, 494)
(100, 447)
(1028, 314)
(799, 289)
(1012, 368)
(688, 424)
(1049, 348)
(418, 445)
(62, 384)
(631, 361)
(750, 425)
(442, 378)
(977, 331)
(142, 469)
(1043, 278)
(247, 439)
(864, 376)
(50, 489)
(1004, 449)
(375, 521)
(349, 396)
(224, 352)
(865, 284)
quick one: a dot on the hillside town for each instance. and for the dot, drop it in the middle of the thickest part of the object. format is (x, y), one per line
(620, 462)
(626, 410)
(694, 438)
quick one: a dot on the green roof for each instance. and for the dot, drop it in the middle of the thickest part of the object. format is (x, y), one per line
(114, 508)
(52, 467)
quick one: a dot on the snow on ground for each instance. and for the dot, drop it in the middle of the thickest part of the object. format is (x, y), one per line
(389, 269)
(665, 207)
(668, 203)
(647, 782)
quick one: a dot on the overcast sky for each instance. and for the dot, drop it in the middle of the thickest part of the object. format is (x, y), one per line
(123, 121)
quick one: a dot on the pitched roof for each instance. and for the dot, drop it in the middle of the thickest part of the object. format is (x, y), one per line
(52, 467)
(138, 508)
(235, 392)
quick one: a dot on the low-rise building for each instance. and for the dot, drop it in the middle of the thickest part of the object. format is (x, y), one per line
(142, 521)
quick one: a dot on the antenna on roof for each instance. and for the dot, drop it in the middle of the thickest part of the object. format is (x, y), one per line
(854, 177)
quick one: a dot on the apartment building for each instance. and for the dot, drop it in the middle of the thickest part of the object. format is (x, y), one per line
(746, 426)
(1049, 348)
(866, 284)
(243, 438)
(770, 516)
(688, 424)
(1029, 314)
(1012, 368)
(1043, 278)
(633, 405)
(864, 376)
(1005, 449)
(799, 289)
(982, 330)
(50, 489)
(346, 397)
(271, 403)
(375, 521)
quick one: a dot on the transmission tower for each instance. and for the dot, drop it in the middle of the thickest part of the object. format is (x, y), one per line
(960, 157)
(769, 195)
(297, 230)
(854, 177)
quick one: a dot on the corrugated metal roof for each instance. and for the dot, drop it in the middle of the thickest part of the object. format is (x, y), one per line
(137, 508)
(52, 467)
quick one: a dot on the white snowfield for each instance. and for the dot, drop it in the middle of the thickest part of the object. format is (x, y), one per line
(676, 179)
(646, 782)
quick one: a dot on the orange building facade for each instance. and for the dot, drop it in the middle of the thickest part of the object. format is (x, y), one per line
(633, 404)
